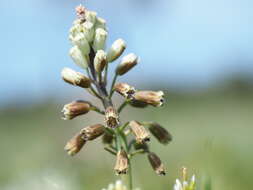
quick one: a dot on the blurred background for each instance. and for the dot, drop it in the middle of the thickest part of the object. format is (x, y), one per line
(198, 51)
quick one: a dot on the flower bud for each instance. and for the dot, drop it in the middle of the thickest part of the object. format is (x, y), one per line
(75, 144)
(111, 117)
(138, 104)
(99, 40)
(91, 16)
(116, 50)
(127, 63)
(75, 30)
(156, 163)
(121, 165)
(75, 78)
(88, 31)
(75, 108)
(150, 97)
(161, 134)
(141, 134)
(92, 132)
(124, 89)
(100, 60)
(100, 23)
(82, 43)
(78, 58)
(107, 138)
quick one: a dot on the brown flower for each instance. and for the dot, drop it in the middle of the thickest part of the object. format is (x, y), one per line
(150, 97)
(156, 163)
(75, 108)
(121, 165)
(111, 117)
(161, 134)
(92, 132)
(75, 144)
(141, 134)
(124, 89)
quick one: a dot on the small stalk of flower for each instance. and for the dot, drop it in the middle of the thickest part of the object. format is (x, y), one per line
(123, 140)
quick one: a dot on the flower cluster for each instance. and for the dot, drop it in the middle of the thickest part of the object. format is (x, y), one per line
(185, 184)
(124, 140)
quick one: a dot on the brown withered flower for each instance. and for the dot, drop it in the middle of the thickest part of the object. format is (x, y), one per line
(121, 165)
(75, 78)
(75, 109)
(75, 144)
(141, 134)
(92, 132)
(156, 163)
(150, 97)
(137, 103)
(124, 89)
(161, 134)
(111, 117)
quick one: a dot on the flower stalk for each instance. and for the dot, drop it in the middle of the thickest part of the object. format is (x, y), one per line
(88, 36)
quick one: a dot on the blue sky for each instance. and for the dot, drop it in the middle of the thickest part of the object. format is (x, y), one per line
(184, 43)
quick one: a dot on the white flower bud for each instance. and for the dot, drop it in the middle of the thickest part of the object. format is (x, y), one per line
(116, 50)
(100, 60)
(127, 63)
(75, 78)
(74, 30)
(88, 30)
(99, 40)
(78, 57)
(91, 16)
(82, 43)
(101, 23)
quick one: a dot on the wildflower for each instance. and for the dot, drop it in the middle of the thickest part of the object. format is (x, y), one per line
(127, 63)
(141, 134)
(75, 78)
(121, 165)
(156, 163)
(92, 132)
(88, 31)
(161, 134)
(185, 184)
(150, 97)
(75, 108)
(100, 61)
(100, 23)
(75, 144)
(111, 117)
(78, 57)
(116, 50)
(99, 40)
(124, 89)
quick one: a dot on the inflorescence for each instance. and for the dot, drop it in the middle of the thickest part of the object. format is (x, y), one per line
(88, 36)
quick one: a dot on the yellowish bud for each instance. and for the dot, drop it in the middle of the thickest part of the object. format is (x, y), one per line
(78, 57)
(100, 39)
(127, 63)
(82, 43)
(116, 50)
(75, 78)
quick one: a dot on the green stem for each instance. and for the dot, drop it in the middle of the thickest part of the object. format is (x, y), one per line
(112, 86)
(96, 109)
(122, 106)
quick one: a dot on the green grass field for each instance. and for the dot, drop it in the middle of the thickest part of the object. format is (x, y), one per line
(212, 134)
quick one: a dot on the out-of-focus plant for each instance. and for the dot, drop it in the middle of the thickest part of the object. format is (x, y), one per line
(117, 186)
(185, 184)
(124, 140)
